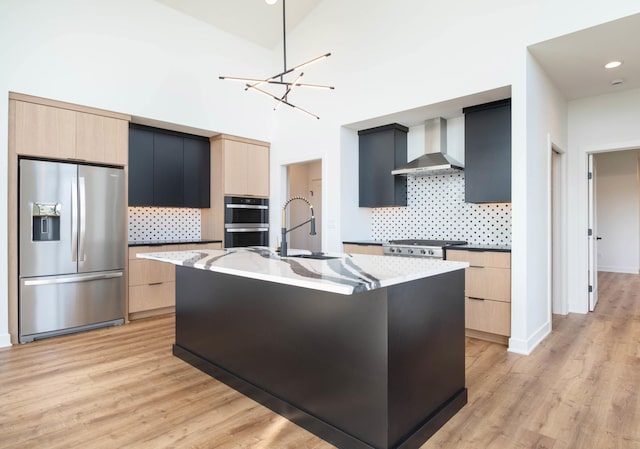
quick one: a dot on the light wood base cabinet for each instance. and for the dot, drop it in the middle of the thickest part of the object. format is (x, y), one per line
(351, 248)
(152, 285)
(487, 293)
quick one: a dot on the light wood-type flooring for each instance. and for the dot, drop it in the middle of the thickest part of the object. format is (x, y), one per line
(122, 388)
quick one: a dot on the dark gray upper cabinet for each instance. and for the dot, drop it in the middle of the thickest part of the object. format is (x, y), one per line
(197, 173)
(382, 149)
(140, 167)
(487, 171)
(168, 169)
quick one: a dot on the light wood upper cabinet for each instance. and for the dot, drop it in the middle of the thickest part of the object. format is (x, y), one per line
(57, 130)
(246, 169)
(44, 131)
(101, 139)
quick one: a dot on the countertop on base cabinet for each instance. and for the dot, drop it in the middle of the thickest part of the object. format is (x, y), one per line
(370, 247)
(487, 292)
(152, 285)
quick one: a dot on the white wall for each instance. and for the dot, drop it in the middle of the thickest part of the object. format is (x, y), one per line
(603, 123)
(618, 211)
(545, 116)
(390, 57)
(138, 57)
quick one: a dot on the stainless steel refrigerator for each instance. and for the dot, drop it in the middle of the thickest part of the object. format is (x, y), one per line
(72, 248)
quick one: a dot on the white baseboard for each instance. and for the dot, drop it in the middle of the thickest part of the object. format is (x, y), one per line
(526, 347)
(5, 340)
(627, 270)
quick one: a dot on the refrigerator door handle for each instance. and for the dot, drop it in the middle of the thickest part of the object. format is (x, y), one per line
(73, 279)
(74, 220)
(83, 220)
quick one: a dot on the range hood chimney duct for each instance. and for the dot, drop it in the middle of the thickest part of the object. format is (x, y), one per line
(434, 160)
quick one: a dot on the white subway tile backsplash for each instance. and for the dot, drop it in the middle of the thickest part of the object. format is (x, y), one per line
(436, 210)
(163, 224)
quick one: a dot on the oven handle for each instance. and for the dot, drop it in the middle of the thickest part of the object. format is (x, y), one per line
(246, 225)
(246, 229)
(247, 206)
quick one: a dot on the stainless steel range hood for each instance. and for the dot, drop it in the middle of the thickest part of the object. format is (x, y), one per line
(434, 160)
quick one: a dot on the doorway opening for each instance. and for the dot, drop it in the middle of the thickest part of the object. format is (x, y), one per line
(305, 179)
(614, 215)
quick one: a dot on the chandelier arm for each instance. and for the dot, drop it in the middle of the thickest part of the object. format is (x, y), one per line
(269, 94)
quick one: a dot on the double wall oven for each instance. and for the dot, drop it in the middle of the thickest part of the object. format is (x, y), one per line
(246, 221)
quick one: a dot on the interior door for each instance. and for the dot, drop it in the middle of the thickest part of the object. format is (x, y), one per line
(593, 239)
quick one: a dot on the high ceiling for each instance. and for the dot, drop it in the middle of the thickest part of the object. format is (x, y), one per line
(252, 20)
(574, 62)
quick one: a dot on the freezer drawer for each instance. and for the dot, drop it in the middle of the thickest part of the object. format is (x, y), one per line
(55, 305)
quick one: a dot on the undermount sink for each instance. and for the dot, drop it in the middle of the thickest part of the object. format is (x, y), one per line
(315, 256)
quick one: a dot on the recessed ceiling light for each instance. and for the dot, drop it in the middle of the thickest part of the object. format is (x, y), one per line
(616, 82)
(271, 2)
(610, 65)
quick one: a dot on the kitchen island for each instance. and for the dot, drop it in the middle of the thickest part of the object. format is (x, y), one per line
(363, 351)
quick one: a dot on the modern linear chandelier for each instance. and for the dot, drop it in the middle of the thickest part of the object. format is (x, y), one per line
(259, 85)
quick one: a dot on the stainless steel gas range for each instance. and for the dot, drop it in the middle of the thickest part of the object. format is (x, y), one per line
(433, 249)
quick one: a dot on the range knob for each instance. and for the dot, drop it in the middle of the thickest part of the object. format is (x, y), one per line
(410, 251)
(422, 251)
(398, 250)
(431, 252)
(392, 250)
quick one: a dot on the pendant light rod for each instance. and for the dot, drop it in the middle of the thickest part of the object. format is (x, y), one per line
(284, 39)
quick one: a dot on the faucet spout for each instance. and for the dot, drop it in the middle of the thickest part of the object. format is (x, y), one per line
(285, 231)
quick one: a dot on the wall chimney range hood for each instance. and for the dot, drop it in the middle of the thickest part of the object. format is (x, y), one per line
(434, 160)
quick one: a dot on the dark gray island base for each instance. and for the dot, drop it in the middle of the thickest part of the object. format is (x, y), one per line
(383, 368)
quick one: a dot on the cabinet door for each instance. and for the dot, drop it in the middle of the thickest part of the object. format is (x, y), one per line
(140, 167)
(375, 250)
(381, 150)
(44, 131)
(487, 172)
(235, 168)
(197, 156)
(257, 171)
(168, 170)
(101, 139)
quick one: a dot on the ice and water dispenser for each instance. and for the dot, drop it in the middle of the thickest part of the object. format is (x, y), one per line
(46, 222)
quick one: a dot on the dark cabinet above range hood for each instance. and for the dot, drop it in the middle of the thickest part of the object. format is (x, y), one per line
(434, 160)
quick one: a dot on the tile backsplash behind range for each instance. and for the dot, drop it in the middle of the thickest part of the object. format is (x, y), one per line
(163, 223)
(436, 210)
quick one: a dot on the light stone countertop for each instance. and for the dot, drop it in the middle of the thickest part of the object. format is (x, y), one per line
(346, 274)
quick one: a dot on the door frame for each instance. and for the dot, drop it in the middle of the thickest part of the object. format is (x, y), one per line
(557, 290)
(585, 299)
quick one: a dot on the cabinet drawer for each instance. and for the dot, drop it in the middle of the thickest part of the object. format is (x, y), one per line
(488, 316)
(481, 258)
(375, 250)
(200, 246)
(133, 250)
(143, 271)
(154, 296)
(488, 283)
